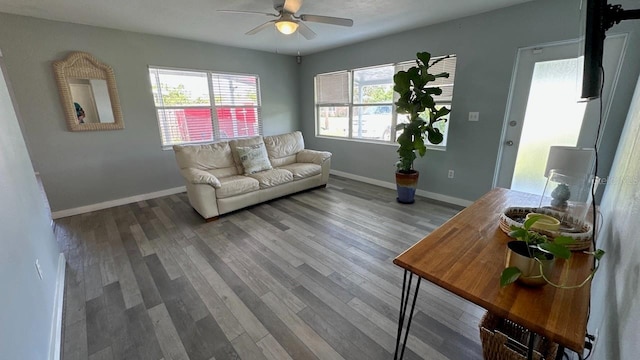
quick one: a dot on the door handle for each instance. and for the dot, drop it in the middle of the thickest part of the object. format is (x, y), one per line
(509, 143)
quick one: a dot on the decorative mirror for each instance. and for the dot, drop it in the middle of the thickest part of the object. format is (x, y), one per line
(88, 93)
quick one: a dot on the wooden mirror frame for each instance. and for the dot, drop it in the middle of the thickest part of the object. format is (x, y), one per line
(82, 65)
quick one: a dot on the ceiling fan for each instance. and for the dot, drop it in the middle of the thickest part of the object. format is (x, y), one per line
(287, 22)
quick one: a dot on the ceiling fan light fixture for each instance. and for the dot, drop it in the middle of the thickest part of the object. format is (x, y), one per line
(286, 27)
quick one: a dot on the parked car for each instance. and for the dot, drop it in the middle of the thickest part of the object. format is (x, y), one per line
(372, 122)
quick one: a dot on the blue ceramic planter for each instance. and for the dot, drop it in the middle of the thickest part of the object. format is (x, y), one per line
(406, 184)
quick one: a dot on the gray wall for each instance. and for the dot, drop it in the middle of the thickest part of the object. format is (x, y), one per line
(26, 303)
(91, 167)
(616, 288)
(486, 46)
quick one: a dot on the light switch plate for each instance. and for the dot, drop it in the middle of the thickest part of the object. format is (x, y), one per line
(474, 116)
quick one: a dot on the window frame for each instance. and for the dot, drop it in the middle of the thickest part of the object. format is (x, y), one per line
(351, 105)
(212, 107)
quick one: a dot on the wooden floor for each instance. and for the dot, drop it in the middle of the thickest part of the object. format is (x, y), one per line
(303, 277)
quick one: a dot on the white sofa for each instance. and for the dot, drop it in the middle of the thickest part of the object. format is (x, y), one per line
(218, 183)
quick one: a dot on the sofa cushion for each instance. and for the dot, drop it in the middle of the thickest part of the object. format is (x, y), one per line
(271, 178)
(282, 149)
(302, 170)
(234, 144)
(236, 185)
(254, 158)
(214, 158)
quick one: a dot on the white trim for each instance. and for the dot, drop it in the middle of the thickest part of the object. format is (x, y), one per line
(614, 82)
(505, 121)
(117, 202)
(378, 142)
(55, 342)
(388, 185)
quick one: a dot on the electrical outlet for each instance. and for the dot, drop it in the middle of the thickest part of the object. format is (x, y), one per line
(451, 174)
(474, 116)
(39, 269)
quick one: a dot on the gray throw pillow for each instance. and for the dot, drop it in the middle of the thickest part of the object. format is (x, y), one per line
(254, 158)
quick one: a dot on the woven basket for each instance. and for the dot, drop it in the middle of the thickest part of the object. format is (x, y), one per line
(505, 340)
(515, 216)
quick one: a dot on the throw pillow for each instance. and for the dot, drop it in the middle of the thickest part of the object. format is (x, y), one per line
(254, 158)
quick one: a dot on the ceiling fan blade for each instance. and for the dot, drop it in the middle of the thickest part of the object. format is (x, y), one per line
(306, 31)
(260, 28)
(292, 6)
(327, 20)
(247, 12)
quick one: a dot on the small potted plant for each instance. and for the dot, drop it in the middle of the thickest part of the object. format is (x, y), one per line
(416, 101)
(531, 256)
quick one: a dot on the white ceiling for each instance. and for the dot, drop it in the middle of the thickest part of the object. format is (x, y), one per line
(199, 20)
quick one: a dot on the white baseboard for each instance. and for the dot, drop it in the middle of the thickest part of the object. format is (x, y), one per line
(431, 195)
(55, 343)
(117, 202)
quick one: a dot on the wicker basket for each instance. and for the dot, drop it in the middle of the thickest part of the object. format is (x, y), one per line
(515, 215)
(505, 340)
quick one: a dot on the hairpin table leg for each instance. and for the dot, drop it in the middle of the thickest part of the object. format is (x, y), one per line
(532, 338)
(404, 301)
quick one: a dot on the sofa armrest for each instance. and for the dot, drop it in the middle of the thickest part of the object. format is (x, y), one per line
(312, 156)
(197, 176)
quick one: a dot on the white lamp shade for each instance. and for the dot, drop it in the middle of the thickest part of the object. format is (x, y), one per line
(570, 160)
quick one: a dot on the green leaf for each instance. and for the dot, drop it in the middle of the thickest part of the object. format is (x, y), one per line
(419, 145)
(427, 78)
(443, 111)
(509, 275)
(441, 59)
(555, 249)
(401, 82)
(564, 240)
(401, 126)
(435, 136)
(598, 254)
(433, 90)
(424, 57)
(518, 233)
(530, 221)
(537, 238)
(442, 75)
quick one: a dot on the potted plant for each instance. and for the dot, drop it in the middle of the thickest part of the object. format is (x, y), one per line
(416, 101)
(530, 258)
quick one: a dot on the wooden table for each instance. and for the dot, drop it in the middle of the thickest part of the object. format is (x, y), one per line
(466, 256)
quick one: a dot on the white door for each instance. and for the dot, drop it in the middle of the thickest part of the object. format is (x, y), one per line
(543, 111)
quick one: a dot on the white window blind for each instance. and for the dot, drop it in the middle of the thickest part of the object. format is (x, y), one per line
(197, 106)
(333, 89)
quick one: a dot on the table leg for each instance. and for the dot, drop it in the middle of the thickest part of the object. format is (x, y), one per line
(532, 339)
(404, 301)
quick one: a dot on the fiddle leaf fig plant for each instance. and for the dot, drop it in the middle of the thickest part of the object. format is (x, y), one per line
(416, 101)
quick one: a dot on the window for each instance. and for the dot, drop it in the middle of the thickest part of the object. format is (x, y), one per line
(359, 104)
(198, 106)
